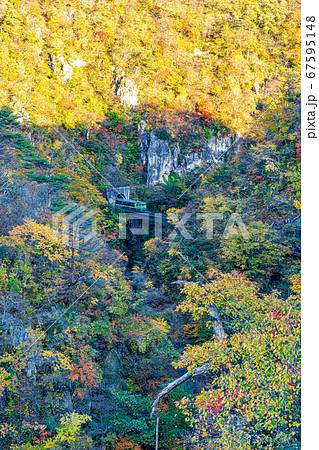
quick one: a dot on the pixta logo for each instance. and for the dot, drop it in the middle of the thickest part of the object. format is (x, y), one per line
(73, 225)
(141, 224)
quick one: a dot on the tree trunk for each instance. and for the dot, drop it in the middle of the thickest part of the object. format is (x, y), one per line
(176, 383)
(157, 425)
(217, 323)
(219, 335)
(50, 185)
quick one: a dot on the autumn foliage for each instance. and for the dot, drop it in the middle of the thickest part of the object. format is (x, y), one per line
(94, 326)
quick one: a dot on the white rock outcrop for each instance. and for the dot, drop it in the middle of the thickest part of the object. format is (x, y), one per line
(67, 67)
(162, 159)
(126, 89)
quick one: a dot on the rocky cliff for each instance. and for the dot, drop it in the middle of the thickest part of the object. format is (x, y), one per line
(162, 158)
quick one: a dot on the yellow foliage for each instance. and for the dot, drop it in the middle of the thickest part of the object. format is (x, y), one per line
(62, 362)
(81, 190)
(124, 444)
(297, 204)
(41, 238)
(68, 431)
(187, 54)
(159, 326)
(258, 365)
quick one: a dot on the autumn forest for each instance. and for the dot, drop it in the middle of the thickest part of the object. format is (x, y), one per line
(150, 224)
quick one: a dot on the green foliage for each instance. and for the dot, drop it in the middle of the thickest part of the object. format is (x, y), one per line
(31, 167)
(7, 119)
(259, 256)
(132, 418)
(163, 135)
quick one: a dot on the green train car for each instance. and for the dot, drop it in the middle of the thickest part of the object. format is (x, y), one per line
(132, 204)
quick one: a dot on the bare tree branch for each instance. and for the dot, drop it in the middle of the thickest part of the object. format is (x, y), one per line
(176, 383)
(220, 335)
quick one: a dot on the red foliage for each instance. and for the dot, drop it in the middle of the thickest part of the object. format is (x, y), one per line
(216, 405)
(104, 132)
(136, 318)
(137, 167)
(85, 372)
(43, 436)
(119, 128)
(276, 315)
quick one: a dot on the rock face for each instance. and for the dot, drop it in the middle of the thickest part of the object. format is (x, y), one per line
(162, 159)
(19, 335)
(126, 89)
(66, 68)
(21, 113)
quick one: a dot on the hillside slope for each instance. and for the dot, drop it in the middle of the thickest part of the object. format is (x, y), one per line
(92, 329)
